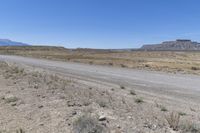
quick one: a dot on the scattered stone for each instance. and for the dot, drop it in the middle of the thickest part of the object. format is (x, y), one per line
(74, 112)
(154, 126)
(41, 124)
(43, 96)
(40, 106)
(70, 104)
(104, 124)
(13, 104)
(36, 86)
(102, 118)
(118, 126)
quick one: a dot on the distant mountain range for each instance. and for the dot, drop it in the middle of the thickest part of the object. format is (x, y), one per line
(7, 42)
(178, 45)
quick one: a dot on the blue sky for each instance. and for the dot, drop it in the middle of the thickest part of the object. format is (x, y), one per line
(99, 23)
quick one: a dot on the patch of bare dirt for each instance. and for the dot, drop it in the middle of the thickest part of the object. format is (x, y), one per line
(39, 101)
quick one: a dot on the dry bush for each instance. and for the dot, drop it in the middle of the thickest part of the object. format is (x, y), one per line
(11, 99)
(195, 68)
(173, 120)
(87, 124)
(139, 100)
(110, 63)
(122, 87)
(182, 113)
(163, 108)
(122, 65)
(11, 71)
(102, 102)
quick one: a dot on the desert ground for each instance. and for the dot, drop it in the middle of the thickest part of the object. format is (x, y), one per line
(185, 62)
(45, 96)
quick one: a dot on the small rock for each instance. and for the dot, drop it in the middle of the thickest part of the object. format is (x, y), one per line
(102, 118)
(40, 106)
(13, 104)
(118, 126)
(129, 117)
(43, 96)
(104, 124)
(41, 124)
(36, 86)
(154, 126)
(74, 112)
(70, 104)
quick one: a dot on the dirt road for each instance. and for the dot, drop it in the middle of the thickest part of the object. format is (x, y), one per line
(47, 101)
(175, 86)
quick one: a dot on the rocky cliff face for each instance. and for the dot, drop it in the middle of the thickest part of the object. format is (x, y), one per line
(173, 45)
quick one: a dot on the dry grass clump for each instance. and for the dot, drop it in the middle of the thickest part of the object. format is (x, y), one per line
(102, 102)
(110, 63)
(20, 131)
(11, 99)
(3, 64)
(163, 108)
(122, 65)
(182, 113)
(87, 124)
(122, 87)
(195, 68)
(173, 120)
(11, 70)
(139, 100)
(190, 127)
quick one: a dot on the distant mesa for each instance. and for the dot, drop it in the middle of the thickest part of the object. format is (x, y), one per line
(178, 45)
(7, 42)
